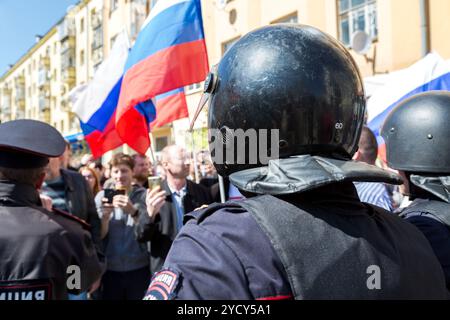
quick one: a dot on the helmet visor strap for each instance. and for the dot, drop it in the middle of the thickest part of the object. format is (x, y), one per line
(203, 101)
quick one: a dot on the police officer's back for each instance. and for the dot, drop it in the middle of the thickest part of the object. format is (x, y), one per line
(302, 233)
(417, 135)
(39, 249)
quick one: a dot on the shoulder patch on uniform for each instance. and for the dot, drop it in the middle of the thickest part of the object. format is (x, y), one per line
(164, 285)
(25, 290)
(67, 215)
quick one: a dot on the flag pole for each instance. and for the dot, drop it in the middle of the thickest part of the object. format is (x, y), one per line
(203, 100)
(191, 131)
(152, 155)
(197, 180)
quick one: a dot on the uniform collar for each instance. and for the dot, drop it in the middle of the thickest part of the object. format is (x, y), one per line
(306, 172)
(438, 186)
(23, 194)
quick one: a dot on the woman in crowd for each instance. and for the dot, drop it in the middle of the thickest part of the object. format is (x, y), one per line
(92, 178)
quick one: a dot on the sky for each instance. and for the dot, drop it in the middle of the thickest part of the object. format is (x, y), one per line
(21, 21)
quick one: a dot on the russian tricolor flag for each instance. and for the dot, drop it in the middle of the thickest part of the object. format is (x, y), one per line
(96, 105)
(430, 73)
(169, 53)
(170, 106)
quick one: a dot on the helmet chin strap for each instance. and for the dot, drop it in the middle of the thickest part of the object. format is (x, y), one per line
(211, 82)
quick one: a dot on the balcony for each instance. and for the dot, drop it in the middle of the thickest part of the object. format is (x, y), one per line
(44, 103)
(6, 105)
(20, 80)
(20, 114)
(66, 29)
(43, 78)
(68, 45)
(97, 56)
(44, 62)
(96, 21)
(20, 97)
(68, 76)
(97, 39)
(68, 59)
(97, 45)
(45, 116)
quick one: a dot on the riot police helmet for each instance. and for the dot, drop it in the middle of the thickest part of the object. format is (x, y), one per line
(417, 133)
(292, 78)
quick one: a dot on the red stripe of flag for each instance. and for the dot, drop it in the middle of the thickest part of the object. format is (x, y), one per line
(169, 109)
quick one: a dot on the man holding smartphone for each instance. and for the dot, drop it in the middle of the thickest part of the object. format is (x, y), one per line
(128, 270)
(167, 204)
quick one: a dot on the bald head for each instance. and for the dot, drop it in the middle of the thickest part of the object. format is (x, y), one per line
(175, 161)
(367, 147)
(171, 151)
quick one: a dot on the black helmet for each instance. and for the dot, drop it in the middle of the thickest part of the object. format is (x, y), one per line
(417, 133)
(293, 78)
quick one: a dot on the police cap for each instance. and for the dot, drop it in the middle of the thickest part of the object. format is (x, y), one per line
(27, 144)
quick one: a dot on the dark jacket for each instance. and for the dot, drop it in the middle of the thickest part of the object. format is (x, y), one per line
(163, 230)
(122, 251)
(38, 246)
(215, 190)
(434, 228)
(80, 201)
(335, 243)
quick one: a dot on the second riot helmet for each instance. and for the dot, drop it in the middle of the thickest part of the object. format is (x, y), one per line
(417, 133)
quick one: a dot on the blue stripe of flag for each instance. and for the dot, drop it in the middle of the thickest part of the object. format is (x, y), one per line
(101, 117)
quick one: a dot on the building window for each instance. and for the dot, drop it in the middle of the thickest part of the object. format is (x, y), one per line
(112, 41)
(55, 47)
(291, 18)
(97, 40)
(82, 25)
(114, 4)
(227, 45)
(161, 143)
(355, 15)
(82, 57)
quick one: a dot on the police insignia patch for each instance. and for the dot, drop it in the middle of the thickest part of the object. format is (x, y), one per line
(164, 285)
(25, 290)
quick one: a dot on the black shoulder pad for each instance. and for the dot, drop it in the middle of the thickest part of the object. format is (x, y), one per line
(202, 214)
(67, 215)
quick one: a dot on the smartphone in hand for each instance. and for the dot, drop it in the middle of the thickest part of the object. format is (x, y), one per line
(154, 182)
(110, 193)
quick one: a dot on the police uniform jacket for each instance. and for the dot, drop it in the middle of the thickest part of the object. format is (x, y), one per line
(339, 248)
(80, 202)
(37, 247)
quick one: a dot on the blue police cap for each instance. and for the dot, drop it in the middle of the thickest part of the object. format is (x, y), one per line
(26, 144)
